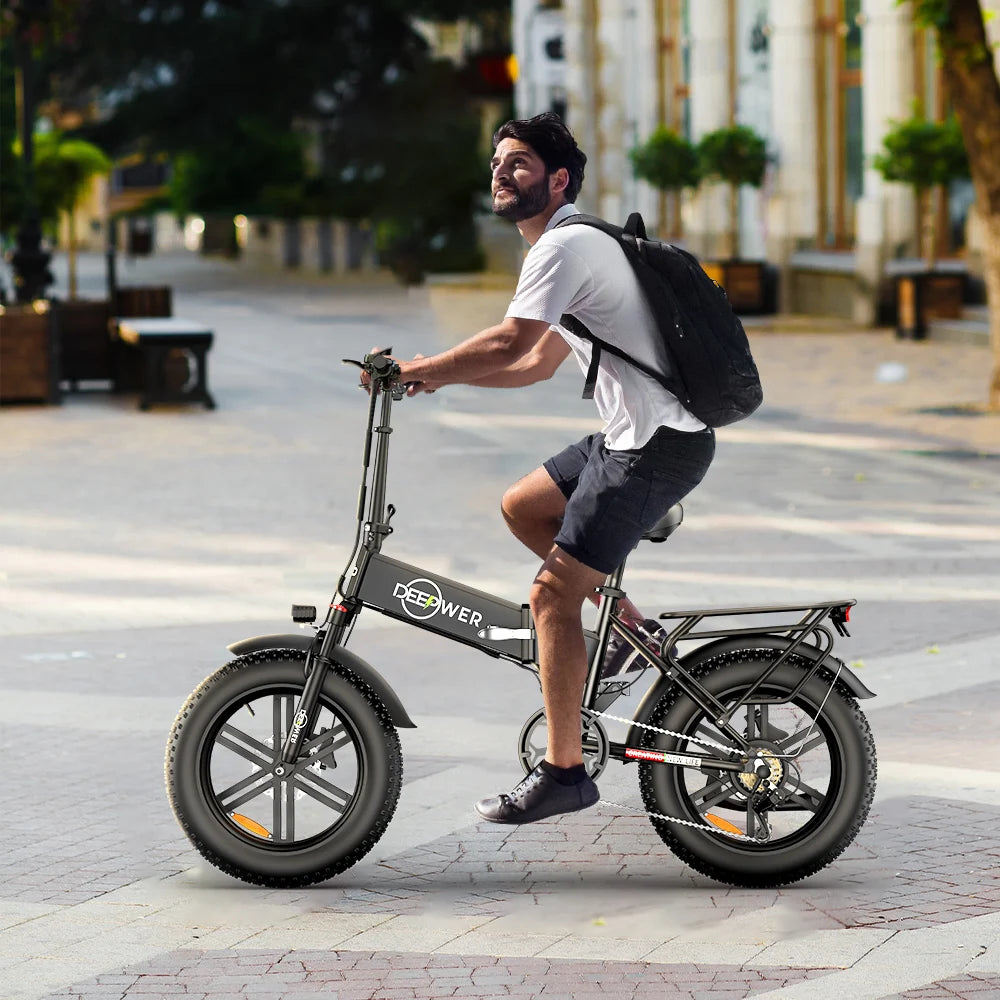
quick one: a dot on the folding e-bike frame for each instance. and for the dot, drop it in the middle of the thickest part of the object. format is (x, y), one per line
(503, 629)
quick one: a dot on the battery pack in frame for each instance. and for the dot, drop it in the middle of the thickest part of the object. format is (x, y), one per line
(448, 607)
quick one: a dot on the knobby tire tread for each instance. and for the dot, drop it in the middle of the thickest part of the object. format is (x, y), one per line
(749, 879)
(394, 757)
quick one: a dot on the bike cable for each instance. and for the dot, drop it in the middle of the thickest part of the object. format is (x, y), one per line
(701, 741)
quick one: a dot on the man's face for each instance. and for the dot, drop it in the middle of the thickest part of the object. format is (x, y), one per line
(520, 182)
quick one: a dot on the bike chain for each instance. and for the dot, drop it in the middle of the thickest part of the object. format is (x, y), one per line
(701, 741)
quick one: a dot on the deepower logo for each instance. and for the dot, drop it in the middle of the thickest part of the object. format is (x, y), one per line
(421, 599)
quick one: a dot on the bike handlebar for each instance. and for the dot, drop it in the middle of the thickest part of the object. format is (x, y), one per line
(378, 364)
(383, 372)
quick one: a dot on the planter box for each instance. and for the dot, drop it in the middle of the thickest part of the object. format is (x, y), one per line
(743, 280)
(924, 296)
(28, 356)
(84, 341)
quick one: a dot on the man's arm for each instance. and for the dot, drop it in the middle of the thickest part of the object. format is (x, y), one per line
(488, 352)
(538, 364)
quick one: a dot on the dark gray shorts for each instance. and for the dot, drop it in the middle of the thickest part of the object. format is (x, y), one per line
(614, 497)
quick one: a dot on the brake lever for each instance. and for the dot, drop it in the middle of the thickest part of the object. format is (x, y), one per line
(351, 361)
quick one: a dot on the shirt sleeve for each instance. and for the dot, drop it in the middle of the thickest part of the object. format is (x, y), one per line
(552, 278)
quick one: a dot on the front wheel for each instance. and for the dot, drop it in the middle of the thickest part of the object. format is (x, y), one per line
(324, 813)
(799, 803)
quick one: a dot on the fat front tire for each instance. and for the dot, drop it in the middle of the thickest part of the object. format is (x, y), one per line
(823, 774)
(330, 807)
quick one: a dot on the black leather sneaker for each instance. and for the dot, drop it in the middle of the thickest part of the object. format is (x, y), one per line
(537, 797)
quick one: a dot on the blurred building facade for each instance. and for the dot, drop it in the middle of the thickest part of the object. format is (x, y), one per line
(820, 80)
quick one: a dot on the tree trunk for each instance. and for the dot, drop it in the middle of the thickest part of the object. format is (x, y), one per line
(992, 228)
(734, 222)
(71, 253)
(975, 92)
(926, 227)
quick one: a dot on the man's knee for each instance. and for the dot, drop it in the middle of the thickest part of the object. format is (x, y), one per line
(511, 505)
(546, 598)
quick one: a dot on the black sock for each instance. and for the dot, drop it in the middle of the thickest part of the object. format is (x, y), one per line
(565, 775)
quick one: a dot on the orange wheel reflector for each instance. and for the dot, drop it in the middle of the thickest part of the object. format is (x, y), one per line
(251, 826)
(722, 824)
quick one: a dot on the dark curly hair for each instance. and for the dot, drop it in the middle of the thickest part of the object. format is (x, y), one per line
(549, 137)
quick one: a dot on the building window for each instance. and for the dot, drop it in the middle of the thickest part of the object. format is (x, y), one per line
(841, 152)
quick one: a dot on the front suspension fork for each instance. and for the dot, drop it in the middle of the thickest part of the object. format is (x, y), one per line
(305, 712)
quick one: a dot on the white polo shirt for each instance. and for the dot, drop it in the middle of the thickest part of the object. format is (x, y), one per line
(581, 271)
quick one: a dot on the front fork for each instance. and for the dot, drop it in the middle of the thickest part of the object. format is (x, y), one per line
(317, 664)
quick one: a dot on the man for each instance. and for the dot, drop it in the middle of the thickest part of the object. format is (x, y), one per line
(585, 509)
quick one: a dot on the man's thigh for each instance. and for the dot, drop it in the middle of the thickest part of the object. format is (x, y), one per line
(621, 494)
(535, 496)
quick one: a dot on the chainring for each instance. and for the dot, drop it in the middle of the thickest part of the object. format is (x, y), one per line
(532, 743)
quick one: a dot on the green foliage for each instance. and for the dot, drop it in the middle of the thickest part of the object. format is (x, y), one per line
(63, 169)
(417, 170)
(923, 153)
(666, 160)
(737, 155)
(223, 86)
(929, 13)
(250, 168)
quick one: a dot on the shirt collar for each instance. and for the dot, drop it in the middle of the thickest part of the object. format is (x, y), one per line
(563, 212)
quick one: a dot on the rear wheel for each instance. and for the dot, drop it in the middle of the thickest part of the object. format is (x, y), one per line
(815, 783)
(323, 813)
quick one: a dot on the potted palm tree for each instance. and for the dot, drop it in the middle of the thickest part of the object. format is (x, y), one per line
(736, 155)
(65, 168)
(927, 156)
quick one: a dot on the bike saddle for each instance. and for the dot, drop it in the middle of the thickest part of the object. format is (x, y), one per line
(666, 525)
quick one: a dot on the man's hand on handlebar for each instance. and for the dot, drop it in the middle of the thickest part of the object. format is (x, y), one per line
(412, 388)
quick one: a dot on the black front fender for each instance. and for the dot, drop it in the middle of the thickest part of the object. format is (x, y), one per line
(341, 656)
(731, 645)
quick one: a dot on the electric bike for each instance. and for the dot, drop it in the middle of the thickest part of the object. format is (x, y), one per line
(756, 766)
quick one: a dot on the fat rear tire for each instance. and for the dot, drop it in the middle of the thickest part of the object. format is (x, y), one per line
(373, 739)
(824, 838)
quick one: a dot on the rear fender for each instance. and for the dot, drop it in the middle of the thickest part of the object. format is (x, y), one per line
(732, 644)
(339, 655)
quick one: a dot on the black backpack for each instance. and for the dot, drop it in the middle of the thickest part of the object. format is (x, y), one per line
(704, 356)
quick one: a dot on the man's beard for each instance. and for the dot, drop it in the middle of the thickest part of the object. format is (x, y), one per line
(525, 204)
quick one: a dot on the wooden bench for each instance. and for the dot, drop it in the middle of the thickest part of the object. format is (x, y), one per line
(173, 357)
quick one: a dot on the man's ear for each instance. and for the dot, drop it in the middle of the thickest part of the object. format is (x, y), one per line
(558, 181)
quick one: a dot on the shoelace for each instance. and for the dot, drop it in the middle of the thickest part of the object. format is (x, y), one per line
(522, 788)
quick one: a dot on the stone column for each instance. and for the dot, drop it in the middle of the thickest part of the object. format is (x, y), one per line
(886, 212)
(707, 215)
(612, 80)
(642, 55)
(581, 92)
(792, 209)
(524, 98)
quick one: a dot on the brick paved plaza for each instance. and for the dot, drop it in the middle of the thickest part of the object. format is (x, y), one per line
(135, 546)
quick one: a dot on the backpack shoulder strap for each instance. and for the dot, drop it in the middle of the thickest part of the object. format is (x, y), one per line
(626, 238)
(594, 222)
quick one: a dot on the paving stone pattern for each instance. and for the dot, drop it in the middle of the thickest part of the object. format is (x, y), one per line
(917, 862)
(969, 987)
(346, 975)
